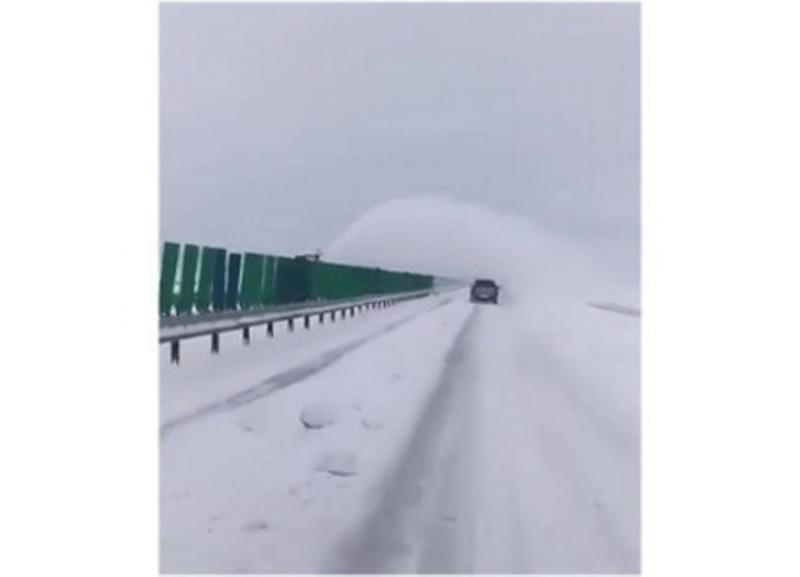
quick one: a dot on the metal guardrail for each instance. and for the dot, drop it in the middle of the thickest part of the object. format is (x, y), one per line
(173, 331)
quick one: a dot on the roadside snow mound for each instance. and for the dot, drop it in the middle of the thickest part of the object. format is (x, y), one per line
(339, 463)
(320, 415)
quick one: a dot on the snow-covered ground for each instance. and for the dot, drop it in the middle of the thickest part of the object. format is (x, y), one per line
(434, 436)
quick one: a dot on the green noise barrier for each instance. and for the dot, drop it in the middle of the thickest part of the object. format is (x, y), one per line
(252, 277)
(199, 280)
(169, 267)
(218, 288)
(186, 290)
(234, 279)
(205, 284)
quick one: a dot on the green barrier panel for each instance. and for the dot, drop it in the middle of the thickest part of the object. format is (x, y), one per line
(188, 274)
(293, 281)
(232, 289)
(169, 266)
(323, 281)
(375, 281)
(394, 282)
(268, 281)
(282, 273)
(371, 281)
(344, 281)
(354, 279)
(335, 281)
(205, 285)
(252, 278)
(388, 282)
(361, 277)
(218, 292)
(218, 285)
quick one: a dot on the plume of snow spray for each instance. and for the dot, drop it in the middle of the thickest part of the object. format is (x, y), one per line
(459, 240)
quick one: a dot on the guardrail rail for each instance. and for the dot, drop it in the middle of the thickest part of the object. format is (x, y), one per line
(212, 325)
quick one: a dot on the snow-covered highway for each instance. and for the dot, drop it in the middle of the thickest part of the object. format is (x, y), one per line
(433, 436)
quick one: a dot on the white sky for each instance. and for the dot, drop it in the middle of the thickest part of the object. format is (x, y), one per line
(281, 124)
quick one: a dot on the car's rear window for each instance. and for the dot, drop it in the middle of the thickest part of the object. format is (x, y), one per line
(489, 283)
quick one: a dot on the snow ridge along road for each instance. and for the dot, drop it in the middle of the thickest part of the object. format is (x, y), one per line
(285, 378)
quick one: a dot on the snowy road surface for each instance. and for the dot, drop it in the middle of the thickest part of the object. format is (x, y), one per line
(435, 436)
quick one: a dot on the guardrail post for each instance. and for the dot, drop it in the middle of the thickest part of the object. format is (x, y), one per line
(333, 316)
(291, 325)
(322, 318)
(307, 322)
(352, 311)
(214, 343)
(246, 335)
(270, 331)
(175, 352)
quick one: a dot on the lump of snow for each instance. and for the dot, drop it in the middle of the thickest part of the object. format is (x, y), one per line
(319, 415)
(371, 425)
(340, 463)
(255, 527)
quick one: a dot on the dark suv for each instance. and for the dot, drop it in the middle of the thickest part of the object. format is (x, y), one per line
(484, 291)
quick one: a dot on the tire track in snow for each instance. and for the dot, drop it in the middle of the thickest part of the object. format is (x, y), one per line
(388, 541)
(286, 378)
(474, 525)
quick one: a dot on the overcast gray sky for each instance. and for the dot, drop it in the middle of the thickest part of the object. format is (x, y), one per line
(280, 124)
